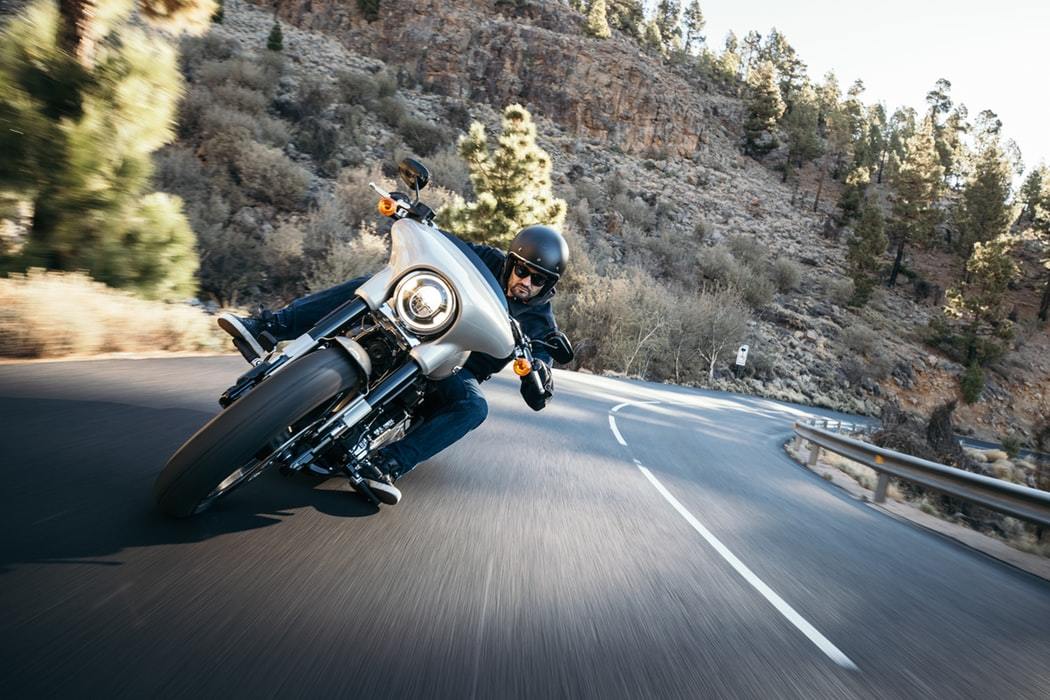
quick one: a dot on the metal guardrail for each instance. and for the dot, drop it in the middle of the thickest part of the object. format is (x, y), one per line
(1019, 501)
(839, 426)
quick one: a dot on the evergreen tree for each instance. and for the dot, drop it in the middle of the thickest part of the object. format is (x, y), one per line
(916, 190)
(627, 16)
(878, 138)
(597, 21)
(851, 200)
(764, 109)
(864, 253)
(800, 127)
(984, 212)
(1041, 230)
(855, 125)
(512, 183)
(652, 38)
(82, 116)
(694, 27)
(837, 152)
(1031, 191)
(729, 64)
(749, 55)
(668, 18)
(790, 69)
(979, 300)
(219, 13)
(900, 129)
(828, 97)
(275, 42)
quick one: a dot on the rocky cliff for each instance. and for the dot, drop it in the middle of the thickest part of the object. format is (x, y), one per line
(531, 53)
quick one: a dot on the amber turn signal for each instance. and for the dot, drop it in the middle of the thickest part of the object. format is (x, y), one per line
(522, 367)
(387, 206)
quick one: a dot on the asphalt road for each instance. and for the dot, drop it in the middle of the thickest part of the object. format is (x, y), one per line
(538, 557)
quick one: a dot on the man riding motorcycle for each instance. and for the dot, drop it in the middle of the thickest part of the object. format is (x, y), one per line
(528, 273)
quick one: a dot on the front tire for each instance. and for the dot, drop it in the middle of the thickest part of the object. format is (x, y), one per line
(231, 439)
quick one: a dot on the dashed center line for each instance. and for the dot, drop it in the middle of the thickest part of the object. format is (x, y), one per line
(789, 613)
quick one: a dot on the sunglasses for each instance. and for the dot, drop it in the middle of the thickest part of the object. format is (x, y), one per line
(538, 278)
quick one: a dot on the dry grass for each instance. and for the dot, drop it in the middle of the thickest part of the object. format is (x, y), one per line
(55, 314)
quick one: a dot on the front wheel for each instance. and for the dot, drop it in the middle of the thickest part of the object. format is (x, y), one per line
(225, 452)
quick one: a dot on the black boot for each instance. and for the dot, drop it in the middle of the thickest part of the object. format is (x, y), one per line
(253, 335)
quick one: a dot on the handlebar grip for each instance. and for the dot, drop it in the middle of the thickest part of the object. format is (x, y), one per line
(534, 377)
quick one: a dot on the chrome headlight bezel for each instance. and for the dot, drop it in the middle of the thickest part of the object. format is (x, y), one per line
(424, 289)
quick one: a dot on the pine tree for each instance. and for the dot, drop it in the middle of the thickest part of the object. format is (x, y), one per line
(668, 17)
(749, 56)
(800, 127)
(838, 146)
(1030, 192)
(694, 26)
(979, 300)
(790, 69)
(864, 253)
(764, 108)
(878, 138)
(1041, 230)
(851, 200)
(512, 183)
(219, 13)
(916, 190)
(729, 62)
(626, 16)
(984, 212)
(275, 42)
(597, 21)
(83, 113)
(652, 38)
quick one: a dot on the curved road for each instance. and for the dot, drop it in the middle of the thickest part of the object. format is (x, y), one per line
(665, 549)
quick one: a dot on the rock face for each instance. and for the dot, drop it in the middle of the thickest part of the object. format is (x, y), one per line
(531, 53)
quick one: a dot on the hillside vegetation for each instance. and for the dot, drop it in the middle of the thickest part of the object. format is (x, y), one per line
(713, 196)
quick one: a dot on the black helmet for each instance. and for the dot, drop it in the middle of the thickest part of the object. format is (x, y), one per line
(540, 247)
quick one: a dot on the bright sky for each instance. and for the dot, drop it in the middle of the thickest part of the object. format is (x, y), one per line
(996, 54)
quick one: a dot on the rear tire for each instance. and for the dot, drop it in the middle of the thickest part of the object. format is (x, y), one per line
(231, 439)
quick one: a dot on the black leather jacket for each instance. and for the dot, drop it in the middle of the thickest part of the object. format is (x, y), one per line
(537, 320)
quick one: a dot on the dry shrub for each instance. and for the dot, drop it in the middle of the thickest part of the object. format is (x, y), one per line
(787, 274)
(240, 98)
(719, 265)
(449, 170)
(363, 254)
(840, 291)
(53, 314)
(861, 340)
(421, 136)
(748, 250)
(634, 210)
(268, 175)
(249, 73)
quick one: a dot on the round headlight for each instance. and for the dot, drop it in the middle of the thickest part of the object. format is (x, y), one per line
(425, 303)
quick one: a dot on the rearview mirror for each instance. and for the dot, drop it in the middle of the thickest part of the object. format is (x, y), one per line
(414, 174)
(560, 347)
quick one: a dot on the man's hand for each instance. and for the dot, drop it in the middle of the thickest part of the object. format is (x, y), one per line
(534, 397)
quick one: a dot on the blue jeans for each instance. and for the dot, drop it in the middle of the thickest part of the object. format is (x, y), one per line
(452, 407)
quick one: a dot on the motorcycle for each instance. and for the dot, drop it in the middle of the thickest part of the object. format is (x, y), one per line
(356, 380)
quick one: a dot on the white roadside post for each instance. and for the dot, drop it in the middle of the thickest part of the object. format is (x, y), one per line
(741, 360)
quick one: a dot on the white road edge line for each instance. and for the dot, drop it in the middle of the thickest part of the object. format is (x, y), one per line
(792, 616)
(615, 430)
(768, 593)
